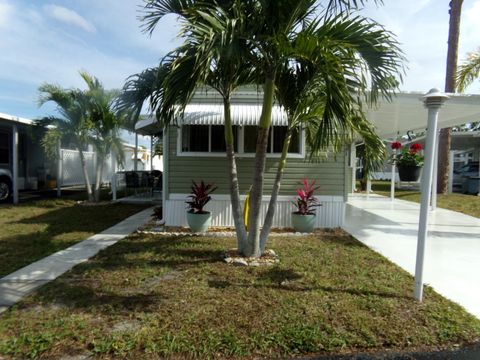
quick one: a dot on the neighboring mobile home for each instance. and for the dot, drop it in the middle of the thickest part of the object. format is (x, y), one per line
(20, 144)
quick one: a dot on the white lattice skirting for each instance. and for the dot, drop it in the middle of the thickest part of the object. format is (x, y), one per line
(330, 215)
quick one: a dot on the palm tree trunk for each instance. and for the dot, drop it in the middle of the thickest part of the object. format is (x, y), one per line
(98, 180)
(253, 242)
(233, 178)
(267, 224)
(88, 187)
(445, 139)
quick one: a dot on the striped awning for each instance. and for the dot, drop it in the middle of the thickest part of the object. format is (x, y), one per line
(242, 114)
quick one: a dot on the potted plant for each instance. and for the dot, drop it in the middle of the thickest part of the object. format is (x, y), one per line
(198, 219)
(409, 160)
(303, 220)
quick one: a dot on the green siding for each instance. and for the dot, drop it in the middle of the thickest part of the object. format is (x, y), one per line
(329, 173)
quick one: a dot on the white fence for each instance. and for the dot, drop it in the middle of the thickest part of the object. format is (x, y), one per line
(330, 215)
(72, 173)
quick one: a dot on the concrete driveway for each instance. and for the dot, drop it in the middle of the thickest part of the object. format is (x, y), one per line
(452, 257)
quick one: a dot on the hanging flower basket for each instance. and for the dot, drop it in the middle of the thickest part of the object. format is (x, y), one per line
(409, 173)
(409, 161)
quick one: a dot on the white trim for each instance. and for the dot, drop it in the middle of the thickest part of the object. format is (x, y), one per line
(240, 153)
(321, 198)
(16, 119)
(330, 215)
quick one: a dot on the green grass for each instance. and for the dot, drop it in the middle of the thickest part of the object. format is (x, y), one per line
(151, 296)
(34, 230)
(466, 204)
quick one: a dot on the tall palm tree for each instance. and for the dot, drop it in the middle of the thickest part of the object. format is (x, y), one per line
(205, 58)
(87, 117)
(305, 89)
(71, 126)
(105, 125)
(445, 138)
(264, 32)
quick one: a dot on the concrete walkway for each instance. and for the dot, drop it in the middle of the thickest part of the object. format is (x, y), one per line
(452, 254)
(20, 283)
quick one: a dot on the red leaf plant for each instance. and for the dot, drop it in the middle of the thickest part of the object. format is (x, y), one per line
(199, 197)
(306, 202)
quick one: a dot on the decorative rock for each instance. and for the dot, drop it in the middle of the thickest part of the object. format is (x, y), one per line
(254, 263)
(239, 262)
(270, 252)
(228, 260)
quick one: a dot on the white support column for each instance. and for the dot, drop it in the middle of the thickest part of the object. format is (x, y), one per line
(353, 165)
(59, 168)
(165, 174)
(15, 163)
(369, 186)
(113, 164)
(392, 179)
(433, 201)
(151, 152)
(433, 100)
(478, 194)
(135, 153)
(451, 156)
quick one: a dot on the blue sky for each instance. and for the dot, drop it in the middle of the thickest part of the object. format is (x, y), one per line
(50, 41)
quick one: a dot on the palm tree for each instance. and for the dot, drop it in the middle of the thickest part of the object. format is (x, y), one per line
(304, 90)
(87, 117)
(264, 33)
(71, 126)
(216, 61)
(445, 139)
(105, 122)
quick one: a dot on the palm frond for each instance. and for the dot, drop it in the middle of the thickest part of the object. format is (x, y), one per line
(468, 71)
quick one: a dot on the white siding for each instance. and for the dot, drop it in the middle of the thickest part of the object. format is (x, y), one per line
(329, 215)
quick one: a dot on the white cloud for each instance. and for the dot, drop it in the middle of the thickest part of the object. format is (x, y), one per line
(6, 13)
(70, 17)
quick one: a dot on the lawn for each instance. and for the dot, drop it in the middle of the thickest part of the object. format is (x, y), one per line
(467, 204)
(151, 296)
(34, 230)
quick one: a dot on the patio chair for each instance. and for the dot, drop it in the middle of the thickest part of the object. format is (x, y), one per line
(131, 181)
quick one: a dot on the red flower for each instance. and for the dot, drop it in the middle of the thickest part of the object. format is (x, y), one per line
(414, 148)
(396, 145)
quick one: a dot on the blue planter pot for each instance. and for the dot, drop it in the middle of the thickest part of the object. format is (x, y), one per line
(199, 222)
(303, 223)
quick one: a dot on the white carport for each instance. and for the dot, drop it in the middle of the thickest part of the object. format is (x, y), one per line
(404, 114)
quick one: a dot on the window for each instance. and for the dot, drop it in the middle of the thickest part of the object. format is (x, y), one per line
(211, 139)
(195, 138)
(205, 138)
(279, 133)
(4, 148)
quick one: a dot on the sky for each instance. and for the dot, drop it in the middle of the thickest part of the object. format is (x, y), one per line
(50, 41)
